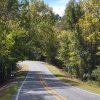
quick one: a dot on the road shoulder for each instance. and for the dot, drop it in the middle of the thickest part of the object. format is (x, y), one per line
(9, 89)
(74, 82)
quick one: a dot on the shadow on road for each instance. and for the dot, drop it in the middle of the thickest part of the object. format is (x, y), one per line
(33, 89)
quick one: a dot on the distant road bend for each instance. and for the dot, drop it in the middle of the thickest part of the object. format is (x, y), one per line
(41, 84)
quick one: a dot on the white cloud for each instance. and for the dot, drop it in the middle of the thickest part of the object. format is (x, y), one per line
(59, 10)
(57, 5)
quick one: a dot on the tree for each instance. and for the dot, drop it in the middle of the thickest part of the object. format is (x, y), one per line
(89, 24)
(9, 30)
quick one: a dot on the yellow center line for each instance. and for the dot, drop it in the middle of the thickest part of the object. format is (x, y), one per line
(50, 92)
(63, 98)
(50, 89)
(47, 88)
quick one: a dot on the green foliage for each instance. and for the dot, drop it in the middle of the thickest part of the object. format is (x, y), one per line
(26, 32)
(96, 73)
(80, 42)
(72, 14)
(33, 31)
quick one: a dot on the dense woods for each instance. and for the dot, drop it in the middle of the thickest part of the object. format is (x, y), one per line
(31, 30)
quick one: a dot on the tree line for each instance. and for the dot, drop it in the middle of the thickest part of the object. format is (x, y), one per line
(27, 31)
(80, 39)
(31, 30)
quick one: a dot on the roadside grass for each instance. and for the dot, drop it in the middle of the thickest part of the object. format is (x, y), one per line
(91, 86)
(6, 94)
(11, 89)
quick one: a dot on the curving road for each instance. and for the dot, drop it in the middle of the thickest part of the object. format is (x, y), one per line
(41, 84)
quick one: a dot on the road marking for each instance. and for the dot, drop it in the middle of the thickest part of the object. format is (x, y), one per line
(17, 96)
(63, 98)
(50, 89)
(86, 91)
(45, 85)
(53, 91)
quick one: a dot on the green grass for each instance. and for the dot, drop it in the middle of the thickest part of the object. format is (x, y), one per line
(7, 93)
(90, 85)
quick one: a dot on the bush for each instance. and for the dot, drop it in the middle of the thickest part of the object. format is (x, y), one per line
(71, 69)
(96, 74)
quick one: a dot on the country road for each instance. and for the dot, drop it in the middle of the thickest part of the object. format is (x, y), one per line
(41, 84)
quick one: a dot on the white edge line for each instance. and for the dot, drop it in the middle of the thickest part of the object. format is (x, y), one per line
(17, 96)
(86, 91)
(74, 86)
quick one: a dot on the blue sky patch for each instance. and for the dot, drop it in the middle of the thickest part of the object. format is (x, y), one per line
(57, 5)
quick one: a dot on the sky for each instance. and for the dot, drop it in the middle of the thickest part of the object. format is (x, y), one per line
(57, 5)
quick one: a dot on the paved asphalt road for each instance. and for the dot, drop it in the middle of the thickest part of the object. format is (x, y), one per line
(41, 84)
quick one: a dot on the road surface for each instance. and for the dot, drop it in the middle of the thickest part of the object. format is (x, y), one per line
(41, 84)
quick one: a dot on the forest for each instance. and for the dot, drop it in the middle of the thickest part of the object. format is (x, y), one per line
(32, 31)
